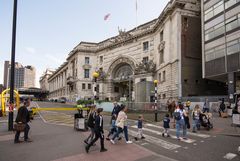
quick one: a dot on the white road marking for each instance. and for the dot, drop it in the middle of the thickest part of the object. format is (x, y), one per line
(144, 143)
(230, 156)
(195, 144)
(157, 141)
(190, 133)
(3, 121)
(159, 133)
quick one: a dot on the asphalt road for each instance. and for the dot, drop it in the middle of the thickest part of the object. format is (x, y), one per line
(55, 138)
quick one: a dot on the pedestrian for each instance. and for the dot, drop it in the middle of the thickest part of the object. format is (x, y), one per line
(122, 125)
(113, 129)
(171, 108)
(91, 123)
(188, 104)
(140, 128)
(196, 118)
(166, 122)
(99, 133)
(23, 117)
(238, 105)
(221, 108)
(179, 114)
(206, 106)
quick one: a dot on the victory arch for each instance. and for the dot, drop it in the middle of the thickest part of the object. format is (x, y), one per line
(127, 80)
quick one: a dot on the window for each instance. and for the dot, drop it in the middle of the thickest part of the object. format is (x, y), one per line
(101, 59)
(87, 60)
(86, 73)
(143, 80)
(164, 96)
(116, 89)
(161, 36)
(230, 3)
(232, 23)
(214, 31)
(161, 57)
(214, 10)
(233, 47)
(145, 46)
(164, 76)
(216, 52)
(89, 86)
(159, 77)
(83, 86)
(145, 60)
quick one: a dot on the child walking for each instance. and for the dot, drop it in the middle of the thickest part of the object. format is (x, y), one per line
(166, 126)
(140, 126)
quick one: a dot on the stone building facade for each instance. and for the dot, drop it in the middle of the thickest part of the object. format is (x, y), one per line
(44, 85)
(167, 48)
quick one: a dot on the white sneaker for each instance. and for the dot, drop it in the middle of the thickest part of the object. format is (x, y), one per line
(129, 142)
(112, 141)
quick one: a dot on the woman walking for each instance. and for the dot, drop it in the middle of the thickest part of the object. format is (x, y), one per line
(121, 123)
(196, 116)
(179, 115)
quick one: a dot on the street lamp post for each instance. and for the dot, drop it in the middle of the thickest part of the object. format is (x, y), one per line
(11, 106)
(155, 100)
(95, 76)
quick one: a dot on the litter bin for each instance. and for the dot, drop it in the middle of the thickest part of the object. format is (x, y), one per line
(1, 113)
(80, 123)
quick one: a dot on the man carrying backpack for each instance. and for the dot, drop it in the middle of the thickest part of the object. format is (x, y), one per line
(179, 115)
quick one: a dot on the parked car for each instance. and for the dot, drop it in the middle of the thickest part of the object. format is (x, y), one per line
(62, 100)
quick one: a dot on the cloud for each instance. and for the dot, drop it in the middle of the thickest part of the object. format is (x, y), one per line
(30, 50)
(58, 61)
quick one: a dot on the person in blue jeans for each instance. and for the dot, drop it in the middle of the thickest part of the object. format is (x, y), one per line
(195, 115)
(179, 115)
(122, 125)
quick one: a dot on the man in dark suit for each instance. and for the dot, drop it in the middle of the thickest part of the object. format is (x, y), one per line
(23, 117)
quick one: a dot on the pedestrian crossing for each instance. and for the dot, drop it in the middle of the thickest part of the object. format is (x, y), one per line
(57, 118)
(153, 136)
(152, 132)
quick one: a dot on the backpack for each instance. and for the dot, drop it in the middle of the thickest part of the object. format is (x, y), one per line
(177, 115)
(91, 120)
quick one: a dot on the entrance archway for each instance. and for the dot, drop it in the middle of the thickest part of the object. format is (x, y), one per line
(4, 98)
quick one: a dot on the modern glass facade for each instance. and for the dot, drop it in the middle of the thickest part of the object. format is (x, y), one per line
(221, 41)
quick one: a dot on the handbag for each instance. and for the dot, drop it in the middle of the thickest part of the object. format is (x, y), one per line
(19, 126)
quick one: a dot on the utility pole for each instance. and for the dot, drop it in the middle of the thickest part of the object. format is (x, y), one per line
(11, 106)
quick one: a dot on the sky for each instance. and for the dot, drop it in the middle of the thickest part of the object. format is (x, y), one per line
(47, 30)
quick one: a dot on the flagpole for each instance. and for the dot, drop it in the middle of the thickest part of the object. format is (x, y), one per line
(136, 15)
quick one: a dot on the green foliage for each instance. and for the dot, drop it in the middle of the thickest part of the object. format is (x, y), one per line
(85, 102)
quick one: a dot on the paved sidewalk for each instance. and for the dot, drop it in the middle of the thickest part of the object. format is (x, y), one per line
(62, 143)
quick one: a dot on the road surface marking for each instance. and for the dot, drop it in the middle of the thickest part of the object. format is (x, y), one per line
(190, 133)
(159, 133)
(230, 156)
(156, 141)
(144, 143)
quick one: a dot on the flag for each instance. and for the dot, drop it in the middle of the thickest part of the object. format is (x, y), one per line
(106, 16)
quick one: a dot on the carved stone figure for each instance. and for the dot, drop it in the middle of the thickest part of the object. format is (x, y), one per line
(145, 67)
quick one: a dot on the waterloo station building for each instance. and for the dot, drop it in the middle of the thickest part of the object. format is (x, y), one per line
(167, 48)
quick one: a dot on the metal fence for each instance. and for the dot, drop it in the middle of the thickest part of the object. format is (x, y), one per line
(145, 106)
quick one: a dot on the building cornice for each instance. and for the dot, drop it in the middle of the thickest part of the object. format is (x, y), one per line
(57, 70)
